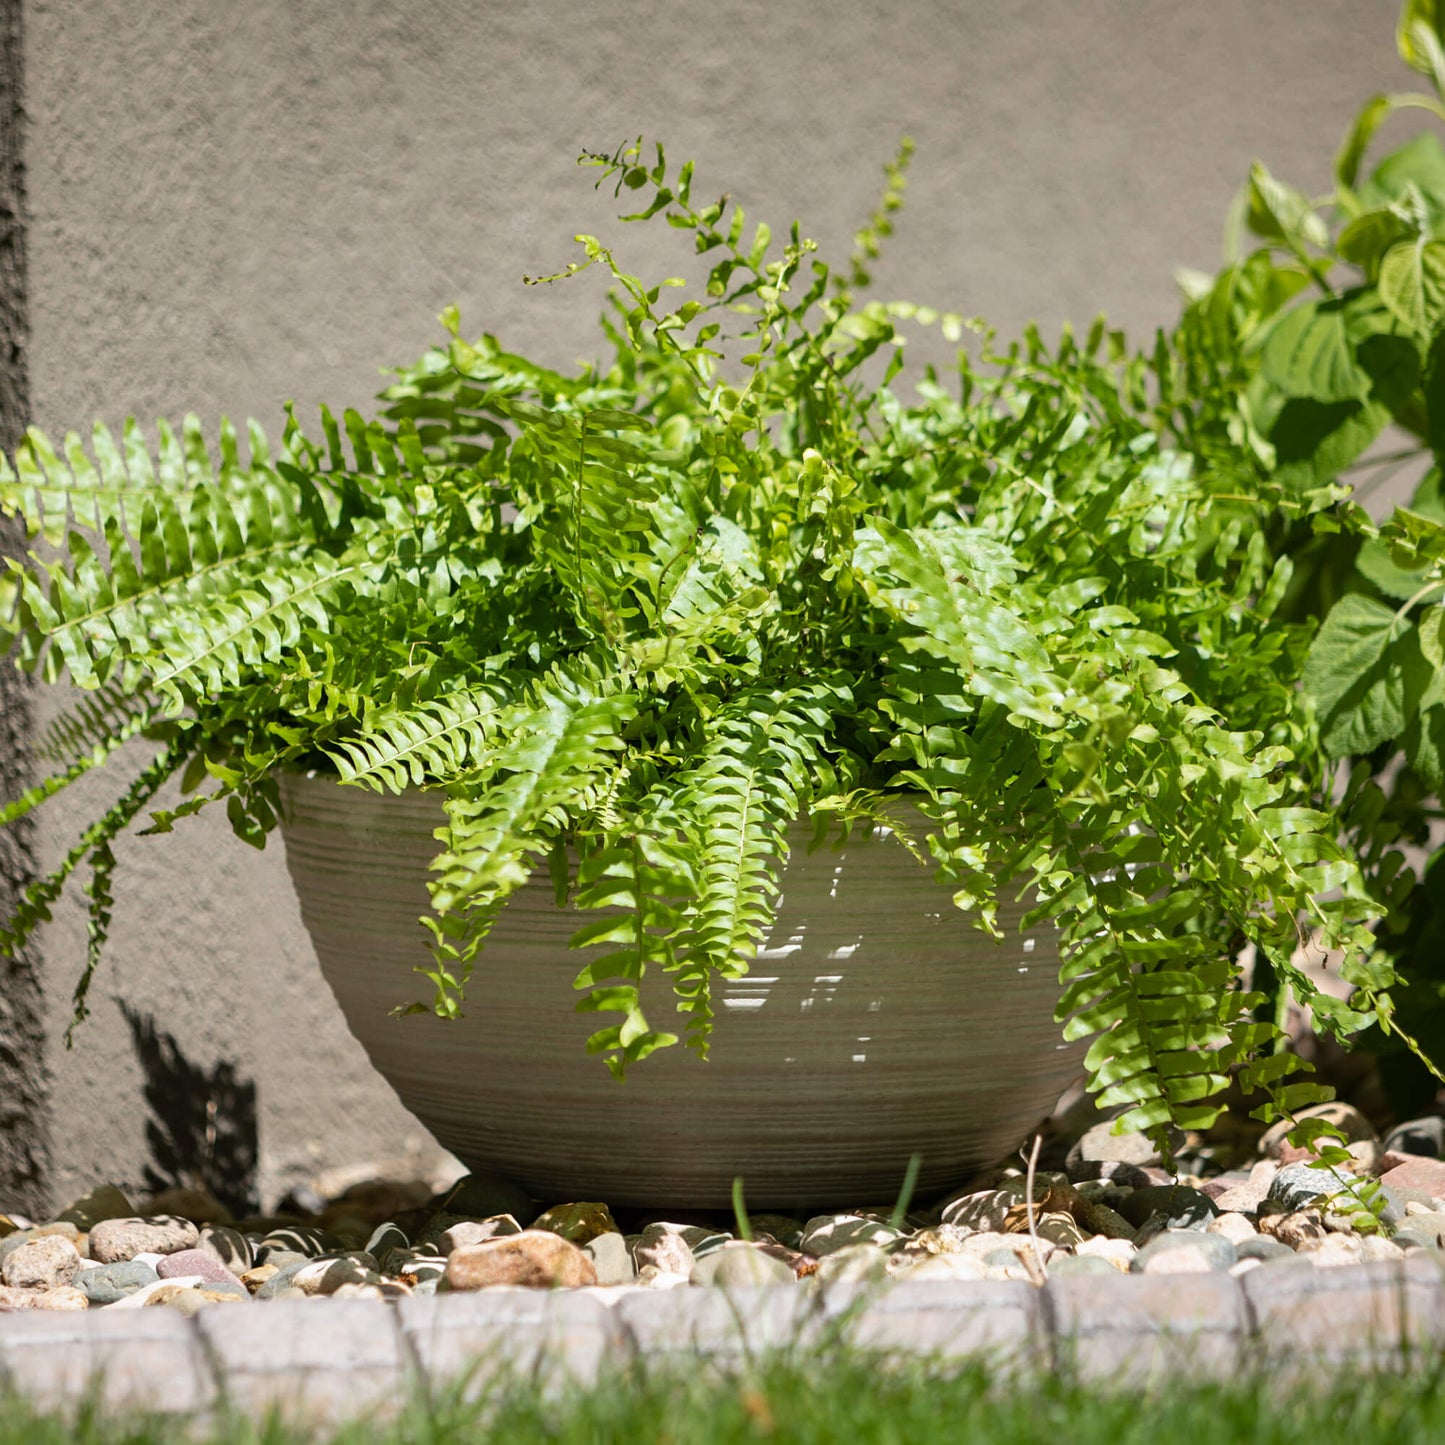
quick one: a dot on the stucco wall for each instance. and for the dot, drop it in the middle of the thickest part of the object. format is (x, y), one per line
(236, 204)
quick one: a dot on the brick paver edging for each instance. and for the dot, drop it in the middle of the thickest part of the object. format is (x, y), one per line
(340, 1358)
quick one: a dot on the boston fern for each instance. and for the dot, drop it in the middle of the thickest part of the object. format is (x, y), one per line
(630, 623)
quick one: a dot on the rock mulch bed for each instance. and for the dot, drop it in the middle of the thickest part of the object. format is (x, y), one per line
(1089, 1263)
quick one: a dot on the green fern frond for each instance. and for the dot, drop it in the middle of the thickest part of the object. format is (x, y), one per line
(435, 739)
(752, 778)
(637, 879)
(540, 768)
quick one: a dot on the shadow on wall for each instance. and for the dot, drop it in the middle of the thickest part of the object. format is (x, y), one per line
(202, 1130)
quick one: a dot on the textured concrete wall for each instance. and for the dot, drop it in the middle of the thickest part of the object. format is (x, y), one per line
(236, 204)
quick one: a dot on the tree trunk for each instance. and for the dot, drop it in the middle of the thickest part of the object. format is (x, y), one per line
(24, 1114)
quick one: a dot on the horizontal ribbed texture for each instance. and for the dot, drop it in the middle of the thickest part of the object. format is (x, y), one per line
(875, 1023)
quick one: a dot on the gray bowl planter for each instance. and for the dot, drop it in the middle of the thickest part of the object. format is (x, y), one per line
(876, 1022)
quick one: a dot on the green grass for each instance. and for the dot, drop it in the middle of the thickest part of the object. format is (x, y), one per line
(848, 1399)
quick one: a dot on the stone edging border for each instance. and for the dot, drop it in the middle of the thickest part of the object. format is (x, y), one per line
(336, 1359)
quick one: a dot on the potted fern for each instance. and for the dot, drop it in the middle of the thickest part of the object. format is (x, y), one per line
(991, 670)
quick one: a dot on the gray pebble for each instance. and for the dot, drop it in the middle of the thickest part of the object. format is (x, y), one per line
(1067, 1264)
(1296, 1185)
(1178, 1205)
(282, 1279)
(110, 1282)
(1212, 1250)
(1262, 1246)
(611, 1259)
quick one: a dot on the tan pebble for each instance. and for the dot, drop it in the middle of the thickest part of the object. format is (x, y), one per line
(146, 1293)
(534, 1259)
(17, 1299)
(65, 1297)
(1231, 1226)
(1333, 1249)
(1376, 1246)
(168, 1293)
(1008, 1271)
(290, 1291)
(220, 1296)
(650, 1277)
(1293, 1229)
(1177, 1261)
(1119, 1252)
(253, 1279)
(937, 1266)
(358, 1291)
(44, 1263)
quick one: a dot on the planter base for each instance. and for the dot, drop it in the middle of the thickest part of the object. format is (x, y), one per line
(876, 1023)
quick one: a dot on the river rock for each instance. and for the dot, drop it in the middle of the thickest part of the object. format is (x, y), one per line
(825, 1234)
(271, 1287)
(1117, 1253)
(1184, 1251)
(535, 1259)
(141, 1298)
(1345, 1117)
(1424, 1137)
(578, 1222)
(117, 1239)
(197, 1262)
(860, 1263)
(422, 1269)
(1293, 1229)
(1111, 1171)
(297, 1239)
(1297, 1186)
(41, 1264)
(1067, 1264)
(1101, 1145)
(109, 1282)
(783, 1227)
(106, 1202)
(61, 1229)
(326, 1276)
(1414, 1173)
(1177, 1206)
(668, 1247)
(227, 1246)
(1233, 1227)
(739, 1266)
(1263, 1247)
(1241, 1198)
(1096, 1217)
(474, 1231)
(1333, 1249)
(611, 1259)
(481, 1195)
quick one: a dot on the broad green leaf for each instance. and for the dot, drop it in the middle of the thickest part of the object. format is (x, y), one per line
(1365, 673)
(1412, 284)
(1308, 352)
(1366, 239)
(1419, 163)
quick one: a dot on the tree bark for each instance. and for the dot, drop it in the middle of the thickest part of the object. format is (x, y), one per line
(24, 1111)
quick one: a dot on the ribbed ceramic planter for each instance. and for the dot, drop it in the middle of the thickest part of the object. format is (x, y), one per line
(875, 1023)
